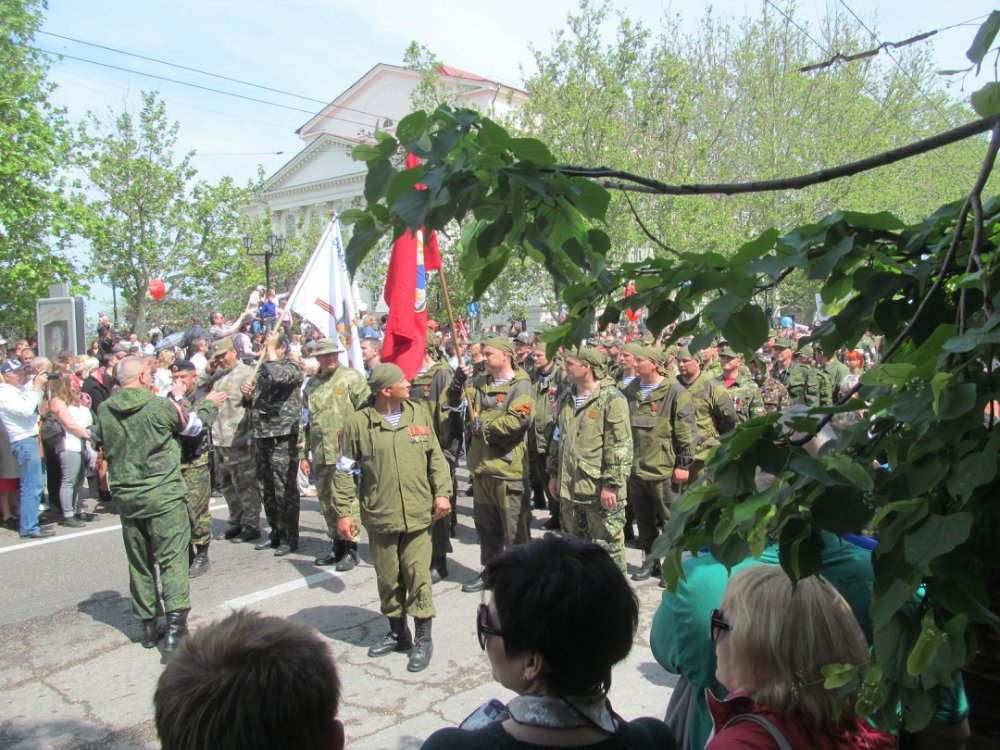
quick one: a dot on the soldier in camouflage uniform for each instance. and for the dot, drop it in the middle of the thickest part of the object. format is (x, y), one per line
(137, 431)
(194, 467)
(549, 380)
(276, 410)
(503, 404)
(710, 362)
(232, 439)
(773, 394)
(835, 372)
(664, 441)
(742, 388)
(392, 438)
(591, 454)
(332, 395)
(790, 374)
(818, 388)
(429, 392)
(714, 411)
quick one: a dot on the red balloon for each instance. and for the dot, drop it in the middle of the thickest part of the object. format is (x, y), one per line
(157, 288)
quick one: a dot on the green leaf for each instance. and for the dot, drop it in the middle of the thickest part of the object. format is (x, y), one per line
(928, 642)
(888, 374)
(937, 535)
(531, 149)
(412, 206)
(402, 182)
(379, 172)
(883, 220)
(957, 400)
(756, 248)
(850, 470)
(986, 101)
(984, 39)
(971, 471)
(593, 200)
(830, 257)
(841, 510)
(746, 328)
(491, 134)
(411, 126)
(837, 675)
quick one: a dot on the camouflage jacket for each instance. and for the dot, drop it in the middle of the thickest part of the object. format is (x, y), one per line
(548, 388)
(714, 411)
(664, 432)
(506, 412)
(429, 392)
(194, 448)
(773, 395)
(835, 371)
(232, 429)
(401, 470)
(794, 379)
(277, 401)
(138, 432)
(746, 398)
(329, 400)
(592, 445)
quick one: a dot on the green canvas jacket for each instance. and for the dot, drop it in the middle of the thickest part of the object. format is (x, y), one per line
(506, 412)
(714, 411)
(664, 431)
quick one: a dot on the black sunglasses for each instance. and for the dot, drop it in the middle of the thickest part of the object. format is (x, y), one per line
(483, 628)
(717, 625)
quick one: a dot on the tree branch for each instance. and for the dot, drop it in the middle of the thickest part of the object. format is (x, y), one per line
(647, 232)
(638, 183)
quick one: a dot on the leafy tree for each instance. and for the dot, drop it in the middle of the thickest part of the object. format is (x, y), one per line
(145, 219)
(33, 143)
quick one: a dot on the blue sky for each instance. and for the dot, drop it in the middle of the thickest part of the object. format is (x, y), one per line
(317, 48)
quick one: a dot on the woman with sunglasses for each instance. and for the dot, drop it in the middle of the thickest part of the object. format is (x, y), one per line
(771, 643)
(559, 617)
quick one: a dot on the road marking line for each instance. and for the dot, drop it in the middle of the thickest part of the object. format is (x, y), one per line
(75, 535)
(279, 590)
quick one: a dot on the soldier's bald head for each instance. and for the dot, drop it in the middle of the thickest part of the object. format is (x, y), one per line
(129, 370)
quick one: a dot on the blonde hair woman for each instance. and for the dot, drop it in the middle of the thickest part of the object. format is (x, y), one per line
(70, 457)
(771, 643)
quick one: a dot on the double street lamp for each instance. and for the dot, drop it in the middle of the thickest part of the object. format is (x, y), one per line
(275, 244)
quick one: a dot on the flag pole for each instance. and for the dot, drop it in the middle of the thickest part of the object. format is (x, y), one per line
(454, 337)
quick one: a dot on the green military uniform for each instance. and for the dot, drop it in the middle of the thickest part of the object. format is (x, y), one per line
(835, 371)
(194, 469)
(396, 514)
(773, 395)
(429, 392)
(548, 388)
(664, 436)
(232, 440)
(276, 411)
(746, 397)
(714, 414)
(497, 458)
(592, 450)
(329, 400)
(137, 431)
(794, 379)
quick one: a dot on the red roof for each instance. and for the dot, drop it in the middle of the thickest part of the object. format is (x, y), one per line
(447, 70)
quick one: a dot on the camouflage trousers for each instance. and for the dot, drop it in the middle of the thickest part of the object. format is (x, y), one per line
(501, 513)
(277, 469)
(324, 492)
(650, 500)
(237, 472)
(198, 479)
(588, 520)
(161, 541)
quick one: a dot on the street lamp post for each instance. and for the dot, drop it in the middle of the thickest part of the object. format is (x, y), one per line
(275, 244)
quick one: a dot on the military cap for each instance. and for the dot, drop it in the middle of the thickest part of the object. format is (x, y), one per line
(327, 346)
(502, 343)
(588, 356)
(221, 346)
(806, 350)
(182, 365)
(728, 352)
(523, 339)
(762, 358)
(634, 348)
(384, 375)
(685, 353)
(782, 342)
(616, 343)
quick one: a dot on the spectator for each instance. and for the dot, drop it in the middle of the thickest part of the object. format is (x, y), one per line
(19, 416)
(560, 617)
(371, 349)
(198, 354)
(162, 375)
(69, 459)
(771, 643)
(8, 481)
(250, 681)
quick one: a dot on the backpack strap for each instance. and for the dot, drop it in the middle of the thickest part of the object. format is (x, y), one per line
(769, 726)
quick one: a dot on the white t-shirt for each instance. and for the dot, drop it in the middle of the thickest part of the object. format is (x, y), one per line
(83, 418)
(19, 411)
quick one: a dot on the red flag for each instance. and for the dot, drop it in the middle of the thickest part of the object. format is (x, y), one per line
(406, 296)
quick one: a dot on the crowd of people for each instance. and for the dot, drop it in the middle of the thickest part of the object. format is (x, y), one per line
(606, 436)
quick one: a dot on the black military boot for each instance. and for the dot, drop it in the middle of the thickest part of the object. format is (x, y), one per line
(350, 558)
(246, 535)
(650, 567)
(231, 533)
(335, 556)
(176, 629)
(200, 563)
(439, 568)
(420, 655)
(152, 631)
(397, 639)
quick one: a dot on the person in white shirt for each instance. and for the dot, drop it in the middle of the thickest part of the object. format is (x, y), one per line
(19, 415)
(70, 457)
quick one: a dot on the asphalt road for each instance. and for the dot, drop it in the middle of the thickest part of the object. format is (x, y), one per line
(72, 674)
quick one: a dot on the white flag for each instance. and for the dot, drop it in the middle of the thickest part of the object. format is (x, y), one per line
(323, 296)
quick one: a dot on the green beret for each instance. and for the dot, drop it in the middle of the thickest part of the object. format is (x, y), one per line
(501, 343)
(589, 356)
(635, 348)
(327, 346)
(384, 375)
